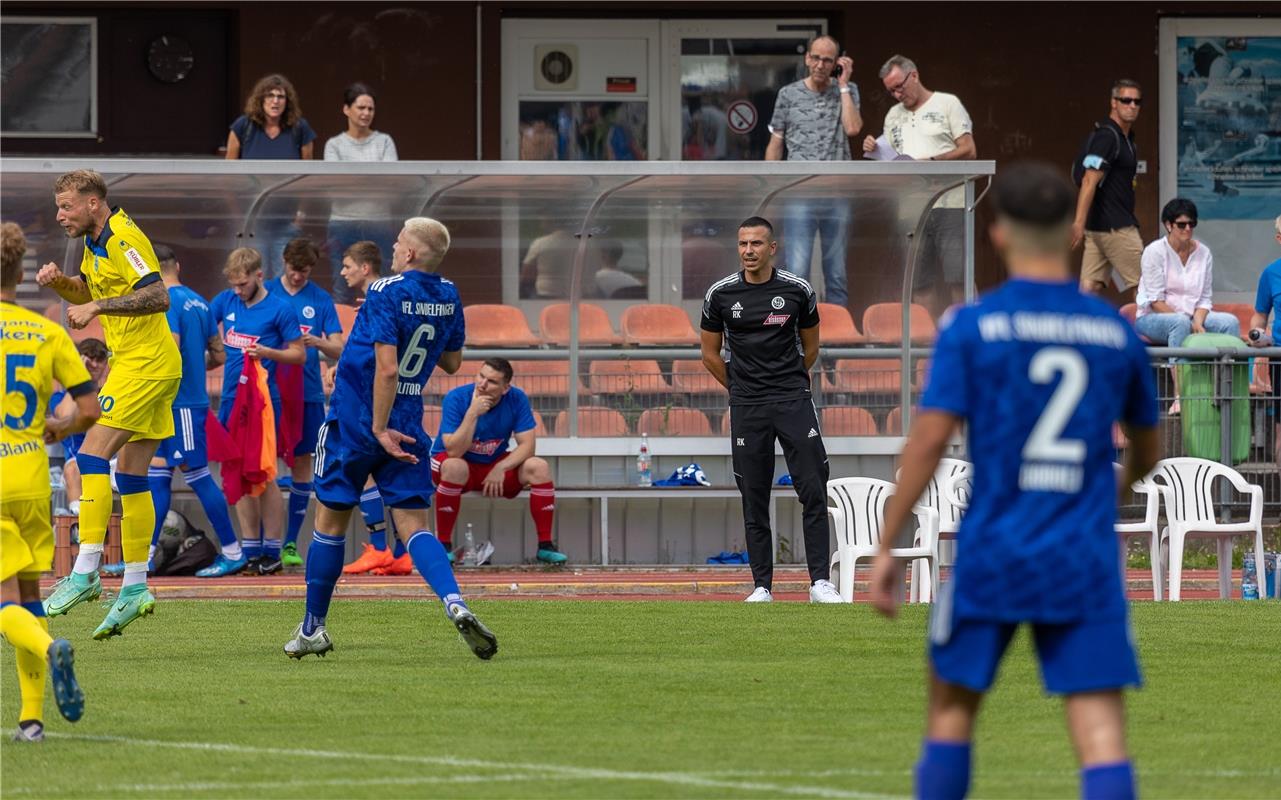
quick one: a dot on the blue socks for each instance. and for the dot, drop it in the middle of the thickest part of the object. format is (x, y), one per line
(371, 508)
(160, 481)
(214, 503)
(1108, 782)
(433, 564)
(324, 566)
(299, 496)
(943, 773)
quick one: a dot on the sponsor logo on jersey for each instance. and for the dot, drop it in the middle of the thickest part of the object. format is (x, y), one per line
(737, 310)
(136, 261)
(306, 329)
(777, 319)
(776, 303)
(231, 317)
(239, 340)
(486, 447)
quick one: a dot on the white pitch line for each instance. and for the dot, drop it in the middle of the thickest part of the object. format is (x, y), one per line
(567, 772)
(222, 786)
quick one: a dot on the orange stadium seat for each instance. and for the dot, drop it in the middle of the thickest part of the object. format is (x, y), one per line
(497, 326)
(637, 376)
(675, 421)
(863, 376)
(346, 317)
(836, 326)
(692, 377)
(213, 381)
(442, 383)
(544, 378)
(593, 421)
(657, 324)
(847, 421)
(1242, 311)
(594, 327)
(883, 324)
(894, 423)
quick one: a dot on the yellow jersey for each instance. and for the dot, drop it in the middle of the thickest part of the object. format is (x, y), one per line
(117, 262)
(36, 352)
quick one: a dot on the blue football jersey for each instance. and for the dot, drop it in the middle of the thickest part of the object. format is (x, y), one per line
(421, 314)
(271, 322)
(494, 428)
(317, 316)
(1040, 372)
(190, 318)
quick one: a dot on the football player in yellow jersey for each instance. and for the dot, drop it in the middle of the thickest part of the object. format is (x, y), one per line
(35, 353)
(119, 282)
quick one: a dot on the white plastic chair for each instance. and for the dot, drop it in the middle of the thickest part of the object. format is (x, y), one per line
(858, 515)
(1186, 485)
(1149, 526)
(948, 493)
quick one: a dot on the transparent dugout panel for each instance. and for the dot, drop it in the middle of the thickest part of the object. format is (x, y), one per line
(656, 234)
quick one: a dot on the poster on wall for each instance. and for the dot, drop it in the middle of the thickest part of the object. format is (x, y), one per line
(1221, 139)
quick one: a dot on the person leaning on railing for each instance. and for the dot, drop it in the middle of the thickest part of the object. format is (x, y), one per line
(1268, 300)
(1175, 287)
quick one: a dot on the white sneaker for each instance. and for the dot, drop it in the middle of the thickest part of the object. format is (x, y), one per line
(760, 595)
(824, 592)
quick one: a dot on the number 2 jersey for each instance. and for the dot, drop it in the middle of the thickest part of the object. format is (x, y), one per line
(35, 352)
(1040, 372)
(418, 312)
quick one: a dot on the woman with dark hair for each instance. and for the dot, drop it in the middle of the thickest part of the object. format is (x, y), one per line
(1175, 288)
(272, 126)
(355, 219)
(360, 142)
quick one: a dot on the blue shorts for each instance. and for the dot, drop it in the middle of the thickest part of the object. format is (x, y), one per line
(186, 448)
(1085, 656)
(313, 416)
(343, 469)
(71, 446)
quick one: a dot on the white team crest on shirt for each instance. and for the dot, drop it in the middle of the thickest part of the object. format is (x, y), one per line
(777, 303)
(308, 312)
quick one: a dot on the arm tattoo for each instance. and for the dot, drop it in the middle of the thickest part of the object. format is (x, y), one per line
(215, 355)
(150, 299)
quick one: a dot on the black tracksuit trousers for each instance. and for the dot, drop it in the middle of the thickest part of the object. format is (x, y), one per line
(753, 429)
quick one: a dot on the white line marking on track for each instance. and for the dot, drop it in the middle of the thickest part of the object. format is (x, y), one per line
(564, 772)
(224, 786)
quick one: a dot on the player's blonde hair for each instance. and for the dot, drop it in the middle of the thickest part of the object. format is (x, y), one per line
(242, 261)
(432, 235)
(13, 246)
(81, 181)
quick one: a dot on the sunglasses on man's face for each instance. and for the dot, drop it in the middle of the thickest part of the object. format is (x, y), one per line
(1129, 101)
(1185, 225)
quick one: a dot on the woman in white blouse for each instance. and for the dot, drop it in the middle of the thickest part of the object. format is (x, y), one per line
(353, 218)
(1174, 292)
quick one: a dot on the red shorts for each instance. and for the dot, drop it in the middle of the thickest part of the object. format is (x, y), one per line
(511, 481)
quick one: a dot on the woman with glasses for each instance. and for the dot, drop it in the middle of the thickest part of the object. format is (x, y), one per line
(272, 126)
(1175, 287)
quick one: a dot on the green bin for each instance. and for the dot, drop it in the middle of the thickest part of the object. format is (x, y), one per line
(1204, 398)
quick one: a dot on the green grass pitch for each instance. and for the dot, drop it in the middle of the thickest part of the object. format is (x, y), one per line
(613, 699)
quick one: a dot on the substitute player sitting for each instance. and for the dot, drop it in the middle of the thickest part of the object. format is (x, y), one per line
(410, 322)
(1039, 373)
(36, 352)
(120, 282)
(470, 454)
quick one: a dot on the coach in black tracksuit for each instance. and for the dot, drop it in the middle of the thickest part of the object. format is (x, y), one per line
(767, 319)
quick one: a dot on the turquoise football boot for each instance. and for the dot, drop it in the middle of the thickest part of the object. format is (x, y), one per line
(133, 602)
(72, 590)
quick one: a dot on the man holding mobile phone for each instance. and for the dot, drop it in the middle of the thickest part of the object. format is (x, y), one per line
(813, 120)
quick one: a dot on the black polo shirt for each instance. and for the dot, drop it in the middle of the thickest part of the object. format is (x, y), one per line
(761, 323)
(1115, 154)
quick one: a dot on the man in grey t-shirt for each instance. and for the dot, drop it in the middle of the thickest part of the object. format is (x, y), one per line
(813, 121)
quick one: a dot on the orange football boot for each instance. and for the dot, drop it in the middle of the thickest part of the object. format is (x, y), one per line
(370, 559)
(397, 566)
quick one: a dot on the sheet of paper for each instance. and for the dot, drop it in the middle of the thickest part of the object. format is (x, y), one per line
(885, 152)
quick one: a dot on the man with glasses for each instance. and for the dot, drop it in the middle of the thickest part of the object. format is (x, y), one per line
(813, 120)
(1105, 218)
(931, 126)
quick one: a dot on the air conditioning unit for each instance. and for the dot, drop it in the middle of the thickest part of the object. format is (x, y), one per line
(556, 67)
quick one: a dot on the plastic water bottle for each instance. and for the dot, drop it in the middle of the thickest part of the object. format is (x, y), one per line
(1249, 578)
(643, 474)
(469, 547)
(59, 487)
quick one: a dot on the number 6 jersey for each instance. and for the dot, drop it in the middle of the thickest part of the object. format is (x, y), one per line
(1040, 372)
(421, 314)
